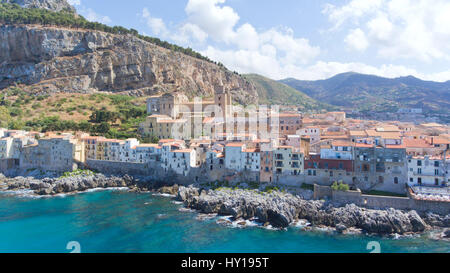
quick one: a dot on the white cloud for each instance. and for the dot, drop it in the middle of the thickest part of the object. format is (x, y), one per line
(188, 32)
(157, 25)
(74, 2)
(217, 21)
(247, 48)
(91, 15)
(357, 40)
(255, 50)
(354, 10)
(278, 53)
(398, 29)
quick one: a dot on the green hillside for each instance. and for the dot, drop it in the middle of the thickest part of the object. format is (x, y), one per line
(377, 94)
(271, 92)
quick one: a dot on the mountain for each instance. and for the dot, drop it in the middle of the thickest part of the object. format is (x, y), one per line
(53, 5)
(50, 52)
(373, 93)
(272, 92)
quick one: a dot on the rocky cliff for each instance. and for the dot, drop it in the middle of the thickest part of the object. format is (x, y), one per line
(54, 5)
(50, 60)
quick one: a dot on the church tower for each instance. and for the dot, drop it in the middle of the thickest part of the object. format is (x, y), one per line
(222, 98)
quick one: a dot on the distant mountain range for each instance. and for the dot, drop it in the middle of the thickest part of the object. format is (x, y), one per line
(271, 92)
(373, 93)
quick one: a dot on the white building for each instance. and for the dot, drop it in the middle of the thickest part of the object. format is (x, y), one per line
(428, 171)
(147, 152)
(127, 153)
(181, 161)
(251, 158)
(5, 147)
(234, 157)
(311, 131)
(337, 150)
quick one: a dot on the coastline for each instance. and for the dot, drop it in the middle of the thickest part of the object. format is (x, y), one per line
(277, 210)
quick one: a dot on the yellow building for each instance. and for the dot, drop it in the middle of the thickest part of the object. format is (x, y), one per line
(163, 127)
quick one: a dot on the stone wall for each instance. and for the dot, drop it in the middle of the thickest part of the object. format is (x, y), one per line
(322, 192)
(381, 202)
(346, 196)
(120, 168)
(8, 164)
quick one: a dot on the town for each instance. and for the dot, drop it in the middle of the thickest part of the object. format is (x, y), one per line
(264, 146)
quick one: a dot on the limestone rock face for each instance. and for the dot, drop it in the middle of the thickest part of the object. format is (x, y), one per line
(280, 210)
(50, 60)
(54, 5)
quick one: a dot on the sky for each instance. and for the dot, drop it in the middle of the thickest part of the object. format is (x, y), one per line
(302, 39)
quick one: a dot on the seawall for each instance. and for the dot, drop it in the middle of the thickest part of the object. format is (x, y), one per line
(381, 202)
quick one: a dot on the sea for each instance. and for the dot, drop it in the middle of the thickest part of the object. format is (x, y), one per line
(119, 221)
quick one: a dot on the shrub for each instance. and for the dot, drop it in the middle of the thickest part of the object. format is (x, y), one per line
(340, 186)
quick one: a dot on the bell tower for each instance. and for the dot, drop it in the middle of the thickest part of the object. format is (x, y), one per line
(222, 98)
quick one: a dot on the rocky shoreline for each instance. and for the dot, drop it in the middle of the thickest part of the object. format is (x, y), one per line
(275, 208)
(283, 209)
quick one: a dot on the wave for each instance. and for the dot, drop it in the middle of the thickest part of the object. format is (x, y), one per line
(164, 195)
(27, 193)
(302, 223)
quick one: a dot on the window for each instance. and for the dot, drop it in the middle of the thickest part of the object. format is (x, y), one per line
(419, 162)
(436, 164)
(419, 170)
(436, 172)
(419, 181)
(395, 180)
(436, 182)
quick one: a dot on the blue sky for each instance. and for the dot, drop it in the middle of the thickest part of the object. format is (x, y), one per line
(303, 39)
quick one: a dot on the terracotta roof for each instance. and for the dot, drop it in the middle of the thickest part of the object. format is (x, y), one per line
(439, 140)
(287, 115)
(147, 146)
(341, 143)
(401, 146)
(334, 137)
(358, 133)
(183, 151)
(172, 121)
(208, 120)
(251, 151)
(236, 144)
(385, 135)
(285, 147)
(416, 143)
(363, 145)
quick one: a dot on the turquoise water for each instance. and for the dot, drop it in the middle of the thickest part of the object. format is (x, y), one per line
(120, 221)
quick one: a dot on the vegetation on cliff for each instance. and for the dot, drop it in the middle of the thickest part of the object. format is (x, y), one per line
(114, 116)
(271, 92)
(15, 14)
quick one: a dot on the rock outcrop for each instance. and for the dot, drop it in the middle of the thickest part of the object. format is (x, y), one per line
(51, 186)
(276, 208)
(50, 60)
(54, 5)
(281, 210)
